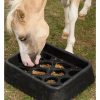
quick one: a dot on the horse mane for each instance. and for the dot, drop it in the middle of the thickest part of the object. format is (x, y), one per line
(14, 5)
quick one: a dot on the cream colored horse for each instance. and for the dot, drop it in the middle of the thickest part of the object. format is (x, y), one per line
(26, 20)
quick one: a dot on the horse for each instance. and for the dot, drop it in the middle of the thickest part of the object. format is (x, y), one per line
(26, 20)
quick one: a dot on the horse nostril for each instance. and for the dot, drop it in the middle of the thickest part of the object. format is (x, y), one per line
(32, 56)
(22, 38)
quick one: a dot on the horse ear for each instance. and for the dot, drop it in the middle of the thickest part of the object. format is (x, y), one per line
(20, 15)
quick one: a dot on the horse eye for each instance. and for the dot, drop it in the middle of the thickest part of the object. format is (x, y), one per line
(22, 38)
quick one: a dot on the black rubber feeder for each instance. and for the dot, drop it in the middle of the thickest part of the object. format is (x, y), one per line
(59, 76)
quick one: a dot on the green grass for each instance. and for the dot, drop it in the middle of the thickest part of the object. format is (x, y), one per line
(84, 47)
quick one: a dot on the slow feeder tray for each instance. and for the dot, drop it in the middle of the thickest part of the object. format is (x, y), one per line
(59, 76)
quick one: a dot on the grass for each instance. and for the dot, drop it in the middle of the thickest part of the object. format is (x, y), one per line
(84, 47)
